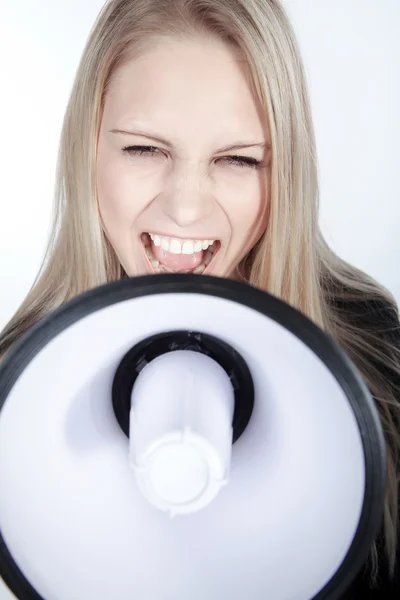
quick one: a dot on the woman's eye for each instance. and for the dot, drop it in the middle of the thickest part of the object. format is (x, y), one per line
(243, 161)
(140, 150)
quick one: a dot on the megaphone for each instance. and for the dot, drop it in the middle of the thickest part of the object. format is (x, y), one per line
(174, 437)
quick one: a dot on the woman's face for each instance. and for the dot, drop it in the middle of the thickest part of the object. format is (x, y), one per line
(183, 161)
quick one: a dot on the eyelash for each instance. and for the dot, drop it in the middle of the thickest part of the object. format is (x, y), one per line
(240, 161)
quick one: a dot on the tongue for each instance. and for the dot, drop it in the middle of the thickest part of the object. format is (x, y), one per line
(177, 262)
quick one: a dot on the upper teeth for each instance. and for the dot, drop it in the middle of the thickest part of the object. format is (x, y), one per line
(180, 246)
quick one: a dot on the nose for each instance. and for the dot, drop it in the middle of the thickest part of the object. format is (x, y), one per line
(187, 197)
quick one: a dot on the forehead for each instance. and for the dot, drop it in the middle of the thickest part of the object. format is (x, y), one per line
(180, 83)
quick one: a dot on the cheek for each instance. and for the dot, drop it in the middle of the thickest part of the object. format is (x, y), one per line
(247, 209)
(117, 204)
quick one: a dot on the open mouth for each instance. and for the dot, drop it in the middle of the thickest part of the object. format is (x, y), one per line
(172, 255)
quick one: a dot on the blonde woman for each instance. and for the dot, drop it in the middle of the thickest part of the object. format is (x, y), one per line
(188, 146)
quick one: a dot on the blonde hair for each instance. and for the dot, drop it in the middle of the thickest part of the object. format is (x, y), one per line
(291, 261)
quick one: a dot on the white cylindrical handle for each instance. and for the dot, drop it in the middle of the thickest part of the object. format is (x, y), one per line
(181, 430)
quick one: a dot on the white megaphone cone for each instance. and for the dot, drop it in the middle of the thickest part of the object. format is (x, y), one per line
(196, 398)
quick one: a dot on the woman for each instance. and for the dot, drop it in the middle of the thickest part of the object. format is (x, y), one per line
(188, 146)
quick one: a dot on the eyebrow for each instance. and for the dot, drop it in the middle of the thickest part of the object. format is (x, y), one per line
(236, 146)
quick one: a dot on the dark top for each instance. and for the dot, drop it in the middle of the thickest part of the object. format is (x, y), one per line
(378, 316)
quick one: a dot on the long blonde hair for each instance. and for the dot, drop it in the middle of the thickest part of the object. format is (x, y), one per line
(292, 260)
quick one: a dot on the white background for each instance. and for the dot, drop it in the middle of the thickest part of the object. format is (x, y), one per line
(352, 55)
